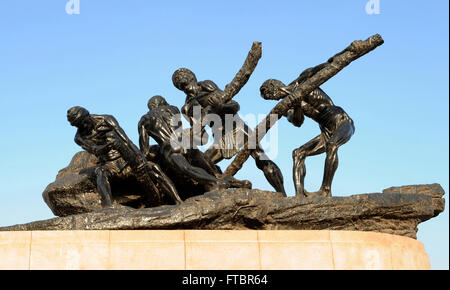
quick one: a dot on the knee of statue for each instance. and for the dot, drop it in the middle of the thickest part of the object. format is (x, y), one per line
(296, 153)
(332, 148)
(271, 168)
(185, 167)
(151, 166)
(99, 171)
(102, 172)
(260, 163)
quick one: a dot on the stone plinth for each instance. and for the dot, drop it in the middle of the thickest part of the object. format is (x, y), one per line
(209, 249)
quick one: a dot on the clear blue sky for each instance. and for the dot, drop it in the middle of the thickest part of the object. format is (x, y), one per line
(115, 54)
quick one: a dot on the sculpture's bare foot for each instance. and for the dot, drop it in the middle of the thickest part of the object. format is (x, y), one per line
(236, 182)
(111, 205)
(106, 203)
(301, 193)
(245, 184)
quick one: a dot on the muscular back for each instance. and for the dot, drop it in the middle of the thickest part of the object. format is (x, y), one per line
(105, 129)
(319, 107)
(161, 123)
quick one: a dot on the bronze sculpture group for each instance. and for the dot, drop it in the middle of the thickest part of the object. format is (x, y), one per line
(169, 182)
(174, 169)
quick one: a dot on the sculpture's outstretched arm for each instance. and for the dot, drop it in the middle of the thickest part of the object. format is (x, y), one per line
(88, 145)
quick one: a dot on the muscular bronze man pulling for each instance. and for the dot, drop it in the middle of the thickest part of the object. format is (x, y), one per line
(207, 96)
(335, 125)
(163, 124)
(102, 136)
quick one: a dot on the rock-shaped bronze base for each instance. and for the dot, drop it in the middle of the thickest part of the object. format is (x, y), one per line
(398, 210)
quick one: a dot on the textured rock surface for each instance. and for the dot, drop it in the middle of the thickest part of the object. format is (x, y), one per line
(398, 210)
(74, 190)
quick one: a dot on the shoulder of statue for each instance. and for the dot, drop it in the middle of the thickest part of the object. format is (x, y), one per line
(144, 118)
(323, 95)
(173, 109)
(153, 114)
(185, 108)
(98, 119)
(107, 119)
(208, 85)
(101, 117)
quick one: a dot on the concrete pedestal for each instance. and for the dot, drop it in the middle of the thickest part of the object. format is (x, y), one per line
(215, 250)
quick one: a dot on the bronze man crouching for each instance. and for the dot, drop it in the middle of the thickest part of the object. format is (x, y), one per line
(102, 136)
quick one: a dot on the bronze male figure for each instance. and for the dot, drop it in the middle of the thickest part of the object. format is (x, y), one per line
(335, 125)
(102, 136)
(163, 124)
(208, 96)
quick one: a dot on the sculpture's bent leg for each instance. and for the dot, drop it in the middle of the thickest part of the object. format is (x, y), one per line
(200, 159)
(160, 178)
(198, 174)
(314, 147)
(104, 188)
(145, 176)
(271, 171)
(236, 183)
(342, 134)
(214, 154)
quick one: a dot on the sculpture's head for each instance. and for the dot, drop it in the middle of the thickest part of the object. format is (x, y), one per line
(185, 80)
(273, 89)
(156, 101)
(77, 116)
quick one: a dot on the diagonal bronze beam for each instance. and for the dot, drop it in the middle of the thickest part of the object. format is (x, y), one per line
(244, 73)
(310, 79)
